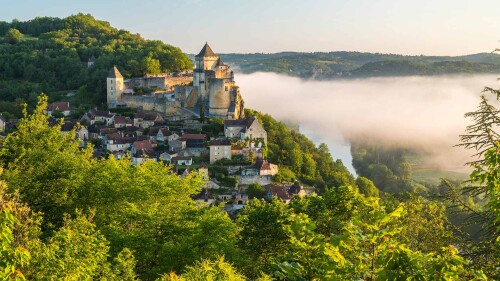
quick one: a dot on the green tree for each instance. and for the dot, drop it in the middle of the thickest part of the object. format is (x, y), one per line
(424, 225)
(212, 270)
(366, 187)
(13, 36)
(311, 256)
(263, 236)
(47, 167)
(151, 65)
(255, 190)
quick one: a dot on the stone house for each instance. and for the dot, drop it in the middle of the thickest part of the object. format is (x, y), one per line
(123, 122)
(116, 142)
(182, 160)
(141, 155)
(246, 129)
(194, 140)
(279, 191)
(62, 106)
(220, 149)
(168, 155)
(166, 135)
(177, 145)
(265, 168)
(92, 116)
(146, 120)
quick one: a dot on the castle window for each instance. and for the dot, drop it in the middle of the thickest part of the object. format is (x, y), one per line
(226, 88)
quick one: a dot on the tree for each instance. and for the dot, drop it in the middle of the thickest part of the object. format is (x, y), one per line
(483, 137)
(151, 66)
(217, 269)
(13, 36)
(366, 187)
(311, 256)
(424, 225)
(264, 236)
(77, 251)
(47, 167)
(255, 190)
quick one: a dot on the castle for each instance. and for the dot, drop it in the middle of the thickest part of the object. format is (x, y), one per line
(210, 91)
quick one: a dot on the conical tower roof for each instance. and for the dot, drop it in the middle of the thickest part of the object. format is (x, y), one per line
(114, 73)
(206, 52)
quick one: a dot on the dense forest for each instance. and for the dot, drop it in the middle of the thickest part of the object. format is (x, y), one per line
(50, 55)
(66, 215)
(333, 65)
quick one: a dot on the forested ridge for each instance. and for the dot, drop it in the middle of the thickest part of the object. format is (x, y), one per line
(344, 65)
(50, 55)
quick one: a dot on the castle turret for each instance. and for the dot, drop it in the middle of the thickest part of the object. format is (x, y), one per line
(205, 60)
(114, 87)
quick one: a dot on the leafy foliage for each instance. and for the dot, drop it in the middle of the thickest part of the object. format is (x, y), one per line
(54, 60)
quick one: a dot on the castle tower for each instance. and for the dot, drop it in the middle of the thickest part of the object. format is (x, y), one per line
(205, 60)
(114, 87)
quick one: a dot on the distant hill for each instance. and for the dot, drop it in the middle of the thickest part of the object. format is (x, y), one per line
(357, 65)
(52, 57)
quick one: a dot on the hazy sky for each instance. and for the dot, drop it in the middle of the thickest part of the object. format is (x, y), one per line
(429, 27)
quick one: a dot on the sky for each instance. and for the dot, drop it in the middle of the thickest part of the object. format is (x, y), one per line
(410, 27)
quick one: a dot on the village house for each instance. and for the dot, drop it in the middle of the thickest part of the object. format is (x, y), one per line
(167, 156)
(70, 126)
(141, 155)
(115, 142)
(279, 191)
(62, 107)
(203, 171)
(286, 193)
(162, 134)
(260, 168)
(165, 135)
(146, 120)
(132, 131)
(182, 160)
(194, 140)
(220, 149)
(265, 168)
(100, 116)
(246, 129)
(241, 199)
(177, 145)
(123, 122)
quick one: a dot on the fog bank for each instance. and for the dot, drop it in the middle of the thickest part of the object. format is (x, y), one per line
(425, 113)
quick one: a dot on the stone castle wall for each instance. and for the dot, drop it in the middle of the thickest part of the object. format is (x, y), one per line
(160, 82)
(159, 104)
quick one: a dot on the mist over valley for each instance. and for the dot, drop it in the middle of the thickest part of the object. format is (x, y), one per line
(423, 114)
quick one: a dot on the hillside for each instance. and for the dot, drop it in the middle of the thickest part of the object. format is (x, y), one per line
(334, 65)
(52, 57)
